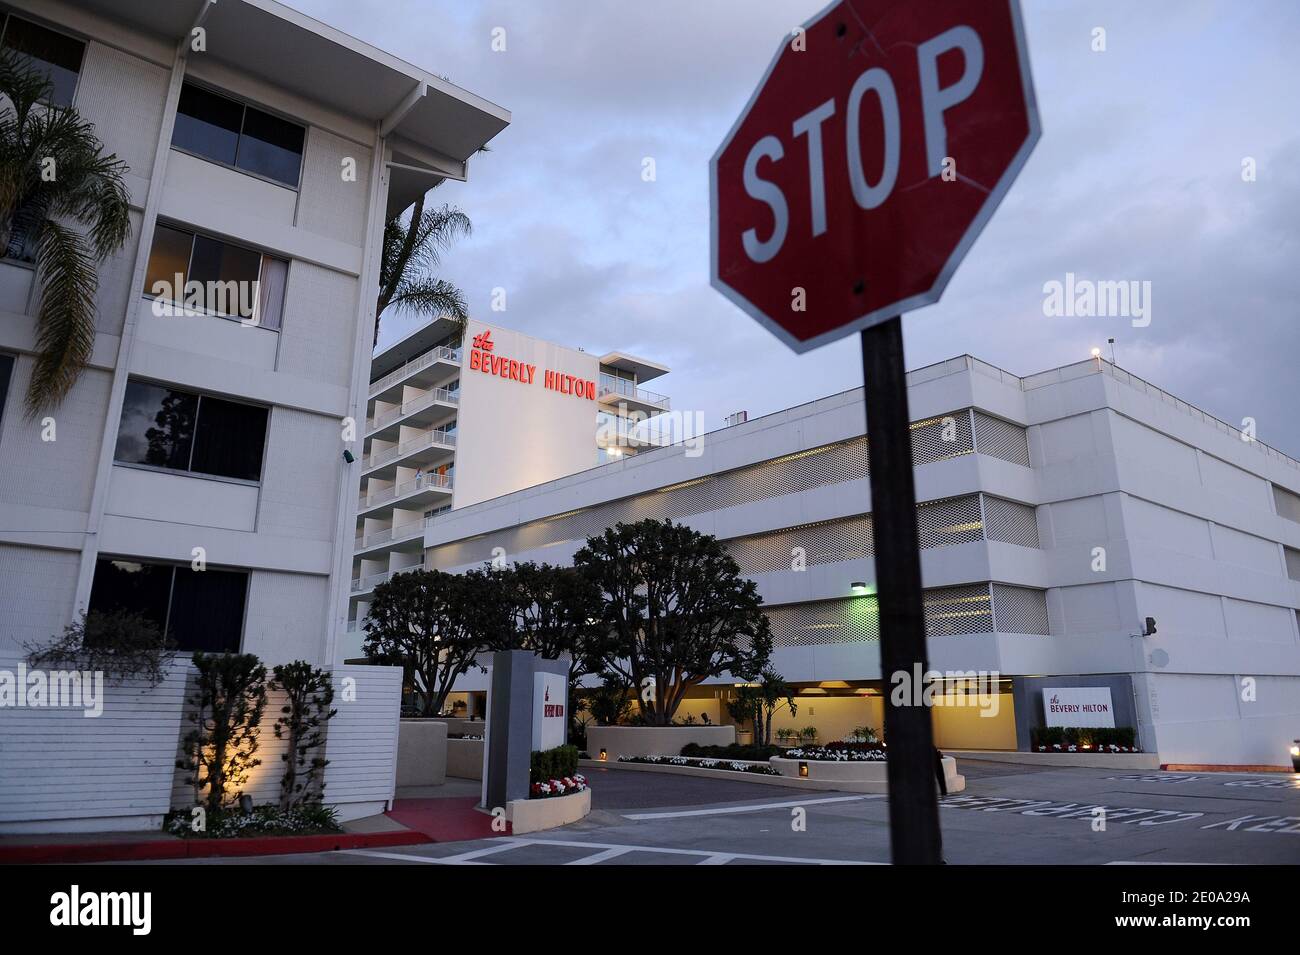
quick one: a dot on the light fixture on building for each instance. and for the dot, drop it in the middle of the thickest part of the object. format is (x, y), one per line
(803, 770)
(1295, 756)
(246, 804)
(347, 456)
(1096, 353)
(604, 755)
(858, 588)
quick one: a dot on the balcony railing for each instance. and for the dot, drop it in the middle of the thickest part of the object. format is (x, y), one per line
(415, 404)
(621, 386)
(437, 436)
(391, 534)
(440, 353)
(440, 481)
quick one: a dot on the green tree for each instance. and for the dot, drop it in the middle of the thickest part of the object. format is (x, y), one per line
(226, 710)
(677, 612)
(759, 703)
(434, 625)
(63, 205)
(413, 248)
(308, 693)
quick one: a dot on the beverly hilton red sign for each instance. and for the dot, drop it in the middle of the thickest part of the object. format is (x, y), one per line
(481, 358)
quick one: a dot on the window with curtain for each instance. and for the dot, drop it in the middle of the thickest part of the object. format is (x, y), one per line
(179, 257)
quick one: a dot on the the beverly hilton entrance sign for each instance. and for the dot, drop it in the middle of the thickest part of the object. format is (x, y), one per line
(870, 156)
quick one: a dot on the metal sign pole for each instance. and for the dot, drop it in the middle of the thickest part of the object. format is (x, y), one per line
(913, 803)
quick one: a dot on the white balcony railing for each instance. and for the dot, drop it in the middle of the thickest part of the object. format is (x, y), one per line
(439, 436)
(441, 482)
(391, 534)
(439, 353)
(621, 386)
(409, 407)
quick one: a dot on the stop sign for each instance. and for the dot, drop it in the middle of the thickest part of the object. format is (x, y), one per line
(872, 153)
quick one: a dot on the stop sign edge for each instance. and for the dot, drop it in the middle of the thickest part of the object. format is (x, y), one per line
(972, 232)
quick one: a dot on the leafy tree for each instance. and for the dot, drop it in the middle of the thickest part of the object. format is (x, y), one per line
(759, 703)
(609, 703)
(308, 694)
(412, 250)
(434, 625)
(226, 710)
(64, 205)
(554, 611)
(677, 611)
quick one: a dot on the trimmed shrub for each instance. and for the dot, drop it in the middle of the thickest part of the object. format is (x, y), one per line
(548, 764)
(731, 751)
(1093, 736)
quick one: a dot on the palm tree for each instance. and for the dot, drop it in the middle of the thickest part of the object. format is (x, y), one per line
(412, 251)
(63, 204)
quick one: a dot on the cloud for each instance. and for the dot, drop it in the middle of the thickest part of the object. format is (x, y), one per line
(1137, 176)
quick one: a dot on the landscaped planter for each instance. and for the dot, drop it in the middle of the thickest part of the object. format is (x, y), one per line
(861, 776)
(619, 741)
(534, 815)
(465, 758)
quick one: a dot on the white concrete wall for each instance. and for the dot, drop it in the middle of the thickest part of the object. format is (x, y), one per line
(513, 434)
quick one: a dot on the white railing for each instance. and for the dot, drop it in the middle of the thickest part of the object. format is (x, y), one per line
(440, 353)
(440, 481)
(427, 440)
(399, 533)
(415, 404)
(621, 386)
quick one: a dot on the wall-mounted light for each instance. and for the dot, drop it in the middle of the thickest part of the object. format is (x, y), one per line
(803, 770)
(604, 755)
(1096, 353)
(859, 587)
(347, 456)
(1295, 756)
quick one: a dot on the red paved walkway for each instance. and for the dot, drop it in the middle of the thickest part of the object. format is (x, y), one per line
(447, 819)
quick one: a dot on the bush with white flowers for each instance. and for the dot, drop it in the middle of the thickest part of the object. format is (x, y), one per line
(558, 787)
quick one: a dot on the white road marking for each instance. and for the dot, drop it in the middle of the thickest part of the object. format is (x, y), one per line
(727, 810)
(603, 851)
(596, 857)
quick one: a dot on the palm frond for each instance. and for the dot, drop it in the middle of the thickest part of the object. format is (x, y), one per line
(65, 326)
(432, 298)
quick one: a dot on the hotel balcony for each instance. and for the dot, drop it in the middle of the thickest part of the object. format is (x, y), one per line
(422, 411)
(612, 392)
(422, 451)
(423, 371)
(428, 490)
(405, 537)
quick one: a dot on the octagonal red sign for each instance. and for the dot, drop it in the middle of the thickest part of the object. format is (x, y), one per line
(872, 153)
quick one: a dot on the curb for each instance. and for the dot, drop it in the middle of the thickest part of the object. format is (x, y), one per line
(64, 853)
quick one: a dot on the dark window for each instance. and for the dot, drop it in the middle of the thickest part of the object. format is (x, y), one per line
(199, 609)
(132, 586)
(270, 147)
(207, 611)
(259, 280)
(229, 439)
(182, 431)
(226, 131)
(208, 124)
(6, 372)
(53, 55)
(157, 426)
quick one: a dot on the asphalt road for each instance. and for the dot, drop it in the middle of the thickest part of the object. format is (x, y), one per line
(1008, 814)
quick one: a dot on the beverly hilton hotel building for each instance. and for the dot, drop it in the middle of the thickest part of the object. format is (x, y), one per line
(1057, 513)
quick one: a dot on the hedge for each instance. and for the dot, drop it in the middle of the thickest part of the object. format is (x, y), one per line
(1084, 735)
(548, 764)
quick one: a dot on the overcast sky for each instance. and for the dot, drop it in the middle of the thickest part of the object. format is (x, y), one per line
(1138, 175)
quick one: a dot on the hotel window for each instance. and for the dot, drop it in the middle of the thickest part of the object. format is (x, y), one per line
(229, 132)
(53, 55)
(199, 609)
(259, 279)
(177, 430)
(6, 374)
